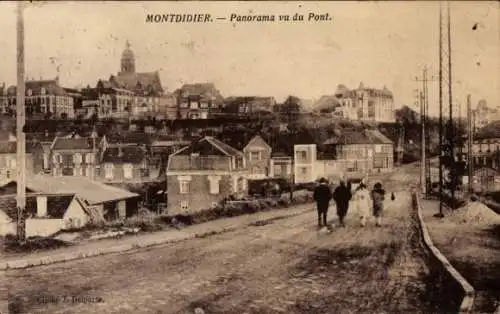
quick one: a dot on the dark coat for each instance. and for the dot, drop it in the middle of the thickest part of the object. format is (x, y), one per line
(378, 196)
(322, 194)
(342, 195)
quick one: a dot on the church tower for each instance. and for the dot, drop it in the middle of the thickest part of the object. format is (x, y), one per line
(128, 60)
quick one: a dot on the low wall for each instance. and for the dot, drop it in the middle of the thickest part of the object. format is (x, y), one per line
(448, 289)
(43, 227)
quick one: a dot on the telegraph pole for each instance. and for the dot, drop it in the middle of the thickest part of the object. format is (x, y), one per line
(440, 214)
(422, 144)
(450, 99)
(20, 121)
(469, 144)
(423, 100)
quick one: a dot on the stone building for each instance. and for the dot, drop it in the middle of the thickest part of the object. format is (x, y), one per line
(45, 98)
(203, 174)
(484, 115)
(370, 104)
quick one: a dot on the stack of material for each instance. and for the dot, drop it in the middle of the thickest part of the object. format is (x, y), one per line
(477, 212)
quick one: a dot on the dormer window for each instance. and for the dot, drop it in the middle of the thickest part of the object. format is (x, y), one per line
(43, 91)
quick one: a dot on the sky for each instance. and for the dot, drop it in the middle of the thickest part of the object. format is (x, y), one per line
(377, 43)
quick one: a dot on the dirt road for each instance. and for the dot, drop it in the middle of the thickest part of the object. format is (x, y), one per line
(280, 266)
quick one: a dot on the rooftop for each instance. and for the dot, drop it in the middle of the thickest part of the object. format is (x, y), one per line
(207, 146)
(57, 205)
(91, 191)
(349, 137)
(126, 154)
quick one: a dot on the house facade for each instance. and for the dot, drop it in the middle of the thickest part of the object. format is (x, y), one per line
(281, 166)
(127, 164)
(199, 101)
(8, 159)
(258, 157)
(204, 173)
(484, 115)
(351, 154)
(251, 105)
(44, 97)
(46, 214)
(362, 152)
(76, 156)
(103, 200)
(371, 104)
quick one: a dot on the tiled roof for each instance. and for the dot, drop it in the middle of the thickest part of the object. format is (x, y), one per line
(52, 87)
(205, 91)
(57, 205)
(209, 146)
(85, 189)
(125, 154)
(354, 137)
(61, 143)
(257, 140)
(128, 138)
(131, 81)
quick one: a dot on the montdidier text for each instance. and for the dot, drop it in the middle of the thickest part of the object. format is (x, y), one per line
(178, 18)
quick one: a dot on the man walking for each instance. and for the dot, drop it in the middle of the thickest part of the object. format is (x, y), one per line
(322, 195)
(342, 195)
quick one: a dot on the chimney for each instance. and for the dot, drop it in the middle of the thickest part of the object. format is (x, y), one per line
(41, 206)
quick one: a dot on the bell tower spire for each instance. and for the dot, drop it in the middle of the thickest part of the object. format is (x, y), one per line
(127, 60)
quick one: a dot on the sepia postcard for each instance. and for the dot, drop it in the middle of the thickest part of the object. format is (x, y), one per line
(249, 157)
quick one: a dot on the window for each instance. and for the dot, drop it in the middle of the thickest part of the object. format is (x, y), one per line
(184, 205)
(108, 171)
(89, 158)
(184, 187)
(239, 162)
(302, 155)
(13, 163)
(127, 171)
(77, 158)
(378, 148)
(277, 170)
(214, 184)
(255, 156)
(193, 105)
(203, 105)
(43, 91)
(30, 92)
(303, 170)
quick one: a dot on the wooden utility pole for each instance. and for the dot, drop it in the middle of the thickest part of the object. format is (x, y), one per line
(453, 184)
(422, 144)
(423, 100)
(440, 214)
(470, 138)
(20, 121)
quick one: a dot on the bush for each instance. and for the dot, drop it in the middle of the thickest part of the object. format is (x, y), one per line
(33, 244)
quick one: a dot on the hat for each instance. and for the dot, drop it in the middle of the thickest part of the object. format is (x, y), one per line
(323, 180)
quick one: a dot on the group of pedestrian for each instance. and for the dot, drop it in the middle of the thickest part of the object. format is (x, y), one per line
(363, 200)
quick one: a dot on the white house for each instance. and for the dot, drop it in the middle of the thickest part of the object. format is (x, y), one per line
(46, 214)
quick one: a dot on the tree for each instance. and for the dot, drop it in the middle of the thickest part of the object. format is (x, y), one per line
(290, 109)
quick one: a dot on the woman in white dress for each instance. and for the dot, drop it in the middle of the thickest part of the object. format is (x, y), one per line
(362, 202)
